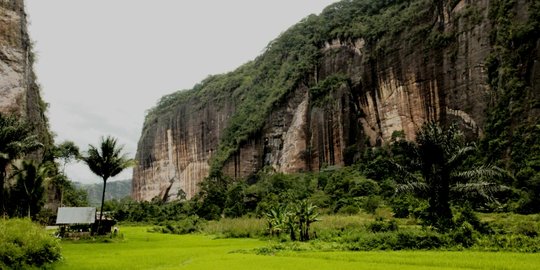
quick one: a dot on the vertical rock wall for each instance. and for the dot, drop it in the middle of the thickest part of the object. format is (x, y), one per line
(174, 151)
(19, 93)
(396, 90)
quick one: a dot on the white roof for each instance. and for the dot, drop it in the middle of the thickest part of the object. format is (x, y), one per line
(76, 215)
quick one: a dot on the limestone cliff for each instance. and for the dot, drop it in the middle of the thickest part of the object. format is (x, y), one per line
(19, 92)
(354, 76)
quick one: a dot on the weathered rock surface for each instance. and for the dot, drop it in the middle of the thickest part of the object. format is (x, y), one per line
(385, 93)
(19, 91)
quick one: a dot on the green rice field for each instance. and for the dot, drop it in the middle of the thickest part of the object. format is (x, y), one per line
(143, 250)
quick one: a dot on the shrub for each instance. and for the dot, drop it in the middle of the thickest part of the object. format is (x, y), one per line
(349, 210)
(404, 205)
(379, 225)
(371, 204)
(527, 228)
(464, 235)
(184, 226)
(24, 244)
(420, 240)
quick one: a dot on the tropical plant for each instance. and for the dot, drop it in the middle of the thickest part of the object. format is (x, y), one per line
(438, 155)
(292, 219)
(307, 214)
(29, 187)
(16, 139)
(276, 219)
(106, 161)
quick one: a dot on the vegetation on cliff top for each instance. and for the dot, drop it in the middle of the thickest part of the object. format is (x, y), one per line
(512, 131)
(290, 61)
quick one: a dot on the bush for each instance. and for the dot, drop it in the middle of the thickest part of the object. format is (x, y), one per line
(371, 204)
(404, 205)
(380, 225)
(527, 228)
(24, 244)
(421, 240)
(184, 226)
(464, 234)
(349, 210)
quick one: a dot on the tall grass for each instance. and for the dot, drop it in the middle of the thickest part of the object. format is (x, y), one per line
(362, 231)
(245, 227)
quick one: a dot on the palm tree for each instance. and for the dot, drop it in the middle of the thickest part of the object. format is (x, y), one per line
(438, 155)
(30, 187)
(106, 161)
(16, 139)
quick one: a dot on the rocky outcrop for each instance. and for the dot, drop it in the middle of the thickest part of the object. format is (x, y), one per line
(19, 92)
(373, 91)
(177, 147)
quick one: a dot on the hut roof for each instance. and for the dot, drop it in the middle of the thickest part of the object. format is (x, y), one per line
(76, 215)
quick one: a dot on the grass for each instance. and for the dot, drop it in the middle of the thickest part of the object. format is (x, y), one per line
(236, 227)
(143, 250)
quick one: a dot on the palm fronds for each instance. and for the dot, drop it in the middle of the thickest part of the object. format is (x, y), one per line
(482, 189)
(481, 172)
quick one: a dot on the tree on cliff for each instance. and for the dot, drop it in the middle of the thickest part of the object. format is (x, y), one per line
(16, 139)
(106, 161)
(439, 156)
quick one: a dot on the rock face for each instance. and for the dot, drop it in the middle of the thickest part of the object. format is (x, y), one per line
(382, 95)
(19, 92)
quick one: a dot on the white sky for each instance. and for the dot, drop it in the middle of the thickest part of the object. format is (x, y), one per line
(103, 63)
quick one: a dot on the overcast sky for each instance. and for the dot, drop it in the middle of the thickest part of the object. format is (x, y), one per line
(103, 63)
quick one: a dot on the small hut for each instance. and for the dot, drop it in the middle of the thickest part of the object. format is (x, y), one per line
(75, 221)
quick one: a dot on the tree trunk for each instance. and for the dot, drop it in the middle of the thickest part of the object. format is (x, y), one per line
(102, 202)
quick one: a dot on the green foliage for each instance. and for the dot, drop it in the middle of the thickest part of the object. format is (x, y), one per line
(74, 196)
(404, 205)
(380, 225)
(234, 203)
(439, 156)
(213, 196)
(293, 219)
(24, 245)
(320, 94)
(16, 140)
(29, 189)
(371, 204)
(512, 131)
(188, 224)
(236, 227)
(66, 151)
